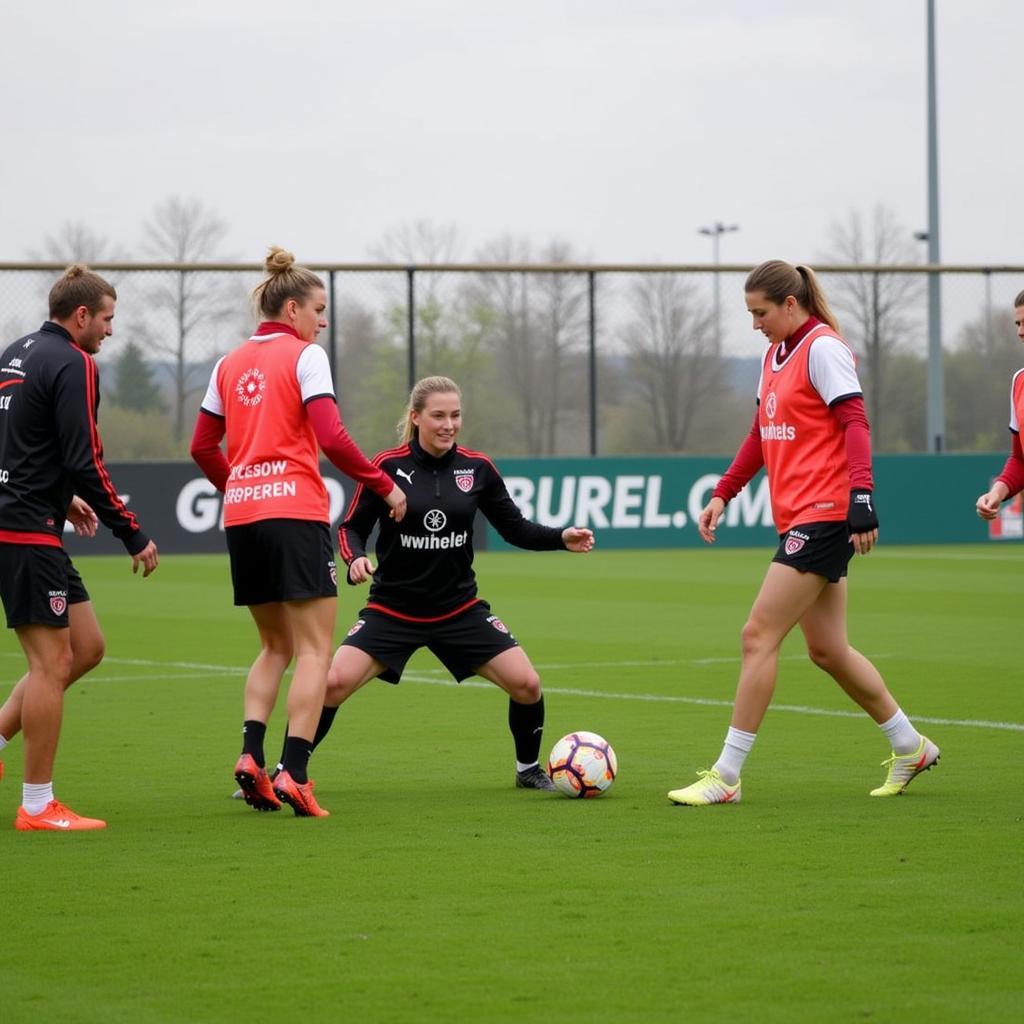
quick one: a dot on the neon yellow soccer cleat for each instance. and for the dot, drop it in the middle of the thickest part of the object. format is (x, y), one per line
(904, 768)
(711, 789)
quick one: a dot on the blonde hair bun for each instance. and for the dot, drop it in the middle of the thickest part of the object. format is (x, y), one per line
(278, 260)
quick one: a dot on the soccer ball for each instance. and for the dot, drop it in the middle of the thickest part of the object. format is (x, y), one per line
(582, 764)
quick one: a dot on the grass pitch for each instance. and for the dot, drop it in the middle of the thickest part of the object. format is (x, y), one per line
(438, 892)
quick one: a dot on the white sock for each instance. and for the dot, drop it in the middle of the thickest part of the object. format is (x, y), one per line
(730, 762)
(36, 795)
(903, 737)
(3, 742)
(520, 767)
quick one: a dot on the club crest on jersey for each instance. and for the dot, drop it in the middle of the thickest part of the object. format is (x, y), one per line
(358, 625)
(464, 482)
(250, 387)
(770, 405)
(58, 602)
(795, 542)
(497, 623)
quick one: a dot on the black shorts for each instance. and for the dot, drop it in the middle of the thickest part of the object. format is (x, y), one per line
(822, 548)
(37, 583)
(462, 643)
(281, 560)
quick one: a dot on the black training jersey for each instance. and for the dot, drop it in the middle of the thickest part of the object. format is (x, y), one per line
(50, 446)
(425, 562)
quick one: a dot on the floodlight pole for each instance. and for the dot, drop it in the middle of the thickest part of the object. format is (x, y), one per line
(715, 232)
(935, 413)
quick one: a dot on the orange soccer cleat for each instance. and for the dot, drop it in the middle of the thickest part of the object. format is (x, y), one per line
(255, 784)
(299, 797)
(55, 817)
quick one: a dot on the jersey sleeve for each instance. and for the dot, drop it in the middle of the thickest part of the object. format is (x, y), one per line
(504, 515)
(212, 401)
(1012, 474)
(313, 371)
(76, 395)
(745, 464)
(339, 447)
(832, 370)
(363, 513)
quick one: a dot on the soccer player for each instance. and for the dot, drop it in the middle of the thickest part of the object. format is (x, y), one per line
(274, 399)
(52, 471)
(811, 434)
(1011, 480)
(423, 591)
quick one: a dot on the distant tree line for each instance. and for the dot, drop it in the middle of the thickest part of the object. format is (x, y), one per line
(517, 343)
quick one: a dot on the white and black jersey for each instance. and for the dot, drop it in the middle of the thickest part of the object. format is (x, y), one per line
(425, 562)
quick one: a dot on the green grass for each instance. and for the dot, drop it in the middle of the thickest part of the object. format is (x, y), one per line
(438, 892)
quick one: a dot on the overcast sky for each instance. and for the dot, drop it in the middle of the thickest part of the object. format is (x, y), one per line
(618, 127)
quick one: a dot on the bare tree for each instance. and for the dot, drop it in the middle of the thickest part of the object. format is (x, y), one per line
(184, 231)
(673, 351)
(985, 356)
(75, 241)
(420, 241)
(881, 311)
(537, 323)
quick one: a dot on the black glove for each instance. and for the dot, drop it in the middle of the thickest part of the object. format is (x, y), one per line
(861, 513)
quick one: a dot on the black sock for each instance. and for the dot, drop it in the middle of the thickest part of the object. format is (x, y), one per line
(252, 739)
(296, 758)
(526, 721)
(284, 746)
(323, 727)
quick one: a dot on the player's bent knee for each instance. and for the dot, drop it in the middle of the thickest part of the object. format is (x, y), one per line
(752, 637)
(527, 691)
(86, 660)
(339, 689)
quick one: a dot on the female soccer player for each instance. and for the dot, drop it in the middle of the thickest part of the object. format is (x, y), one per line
(423, 591)
(811, 434)
(274, 398)
(1011, 480)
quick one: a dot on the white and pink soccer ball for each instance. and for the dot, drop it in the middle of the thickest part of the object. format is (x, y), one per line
(582, 765)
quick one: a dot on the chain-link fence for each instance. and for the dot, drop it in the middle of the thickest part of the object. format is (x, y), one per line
(561, 359)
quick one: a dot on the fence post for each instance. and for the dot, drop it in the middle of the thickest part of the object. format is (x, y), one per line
(332, 347)
(411, 323)
(592, 356)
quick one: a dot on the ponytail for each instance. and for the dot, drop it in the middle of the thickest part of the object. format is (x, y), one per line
(778, 279)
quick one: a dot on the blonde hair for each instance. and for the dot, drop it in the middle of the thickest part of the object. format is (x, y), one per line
(284, 281)
(421, 391)
(777, 279)
(1019, 301)
(78, 286)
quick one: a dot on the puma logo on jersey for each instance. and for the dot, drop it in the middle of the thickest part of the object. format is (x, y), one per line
(407, 476)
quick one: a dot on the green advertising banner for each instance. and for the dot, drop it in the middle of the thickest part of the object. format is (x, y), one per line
(654, 502)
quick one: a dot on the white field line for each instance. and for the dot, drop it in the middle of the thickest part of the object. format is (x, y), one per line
(195, 668)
